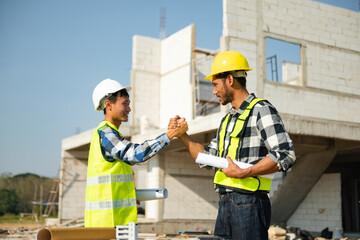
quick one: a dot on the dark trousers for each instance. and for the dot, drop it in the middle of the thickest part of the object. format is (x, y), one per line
(243, 216)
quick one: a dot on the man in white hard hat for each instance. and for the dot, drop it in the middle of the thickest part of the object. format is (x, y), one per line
(110, 190)
(251, 132)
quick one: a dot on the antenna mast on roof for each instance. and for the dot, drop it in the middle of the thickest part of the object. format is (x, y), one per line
(162, 23)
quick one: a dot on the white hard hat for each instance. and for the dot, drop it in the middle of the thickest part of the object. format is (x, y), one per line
(104, 89)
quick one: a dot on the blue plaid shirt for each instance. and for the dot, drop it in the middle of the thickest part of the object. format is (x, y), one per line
(115, 147)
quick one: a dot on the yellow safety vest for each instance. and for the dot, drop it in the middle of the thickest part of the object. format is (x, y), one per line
(250, 184)
(110, 190)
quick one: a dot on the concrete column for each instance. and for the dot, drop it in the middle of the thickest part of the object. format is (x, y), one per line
(155, 179)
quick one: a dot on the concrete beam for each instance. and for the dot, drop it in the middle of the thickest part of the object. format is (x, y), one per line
(77, 140)
(321, 127)
(80, 155)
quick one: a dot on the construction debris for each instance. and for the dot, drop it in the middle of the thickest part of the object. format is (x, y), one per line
(193, 233)
(20, 231)
(294, 233)
(321, 238)
(276, 233)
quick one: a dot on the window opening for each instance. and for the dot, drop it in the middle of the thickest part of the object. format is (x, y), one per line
(283, 62)
(205, 102)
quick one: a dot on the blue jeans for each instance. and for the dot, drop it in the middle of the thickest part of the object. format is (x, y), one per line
(243, 216)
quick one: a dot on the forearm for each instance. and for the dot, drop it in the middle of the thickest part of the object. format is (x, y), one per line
(193, 148)
(171, 133)
(136, 153)
(263, 167)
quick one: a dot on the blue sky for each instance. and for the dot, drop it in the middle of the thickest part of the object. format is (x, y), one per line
(53, 53)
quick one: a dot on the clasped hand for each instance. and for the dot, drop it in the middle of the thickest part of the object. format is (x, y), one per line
(179, 124)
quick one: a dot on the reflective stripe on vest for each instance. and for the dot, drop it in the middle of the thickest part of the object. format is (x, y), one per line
(114, 178)
(251, 183)
(100, 205)
(110, 189)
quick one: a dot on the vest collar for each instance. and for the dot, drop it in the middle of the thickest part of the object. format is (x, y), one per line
(243, 106)
(104, 122)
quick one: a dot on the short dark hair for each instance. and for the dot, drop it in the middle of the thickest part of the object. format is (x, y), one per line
(241, 80)
(112, 97)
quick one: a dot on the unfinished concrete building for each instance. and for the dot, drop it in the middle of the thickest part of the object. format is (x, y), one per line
(318, 100)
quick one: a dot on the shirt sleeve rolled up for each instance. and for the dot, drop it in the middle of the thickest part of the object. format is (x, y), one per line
(272, 131)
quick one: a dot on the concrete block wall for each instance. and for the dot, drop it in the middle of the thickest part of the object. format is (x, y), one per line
(329, 37)
(161, 78)
(146, 54)
(145, 80)
(190, 189)
(313, 22)
(322, 206)
(333, 69)
(314, 103)
(240, 33)
(72, 188)
(292, 73)
(239, 19)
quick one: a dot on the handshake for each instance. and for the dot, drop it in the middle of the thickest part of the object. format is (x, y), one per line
(177, 127)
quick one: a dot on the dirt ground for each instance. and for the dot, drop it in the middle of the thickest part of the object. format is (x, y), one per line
(31, 225)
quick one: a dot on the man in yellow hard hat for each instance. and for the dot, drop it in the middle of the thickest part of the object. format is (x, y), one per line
(251, 132)
(110, 190)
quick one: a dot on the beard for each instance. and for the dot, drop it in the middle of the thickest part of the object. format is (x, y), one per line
(228, 96)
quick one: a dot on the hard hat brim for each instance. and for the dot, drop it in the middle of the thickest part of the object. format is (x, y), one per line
(210, 77)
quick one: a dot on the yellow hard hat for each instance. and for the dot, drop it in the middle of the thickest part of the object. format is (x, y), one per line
(228, 61)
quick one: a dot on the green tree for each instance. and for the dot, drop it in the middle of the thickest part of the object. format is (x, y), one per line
(8, 201)
(27, 187)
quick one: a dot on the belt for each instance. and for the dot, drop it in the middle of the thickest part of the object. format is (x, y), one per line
(224, 191)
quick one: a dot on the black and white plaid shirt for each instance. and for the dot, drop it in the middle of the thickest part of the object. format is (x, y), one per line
(264, 135)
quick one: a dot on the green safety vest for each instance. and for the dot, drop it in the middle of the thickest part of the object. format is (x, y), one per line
(110, 189)
(250, 184)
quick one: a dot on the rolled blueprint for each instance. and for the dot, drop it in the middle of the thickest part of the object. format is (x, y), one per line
(151, 194)
(223, 163)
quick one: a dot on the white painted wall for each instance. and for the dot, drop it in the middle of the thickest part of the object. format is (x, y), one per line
(322, 206)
